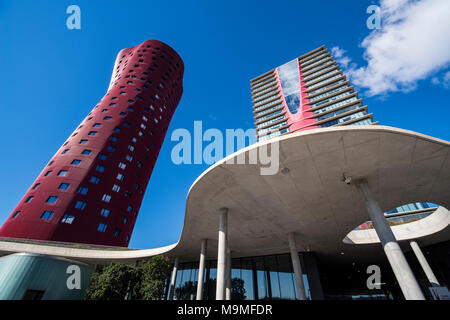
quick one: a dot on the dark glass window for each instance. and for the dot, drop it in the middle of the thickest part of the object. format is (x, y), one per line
(67, 218)
(33, 294)
(47, 215)
(95, 179)
(105, 212)
(82, 190)
(64, 186)
(80, 205)
(62, 173)
(15, 214)
(52, 199)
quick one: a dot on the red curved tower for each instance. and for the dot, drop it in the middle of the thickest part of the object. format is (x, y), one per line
(91, 190)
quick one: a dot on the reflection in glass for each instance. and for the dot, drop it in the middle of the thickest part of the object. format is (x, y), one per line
(289, 76)
(252, 278)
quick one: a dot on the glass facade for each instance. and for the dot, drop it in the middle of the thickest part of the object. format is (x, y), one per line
(404, 214)
(413, 207)
(252, 278)
(314, 89)
(289, 75)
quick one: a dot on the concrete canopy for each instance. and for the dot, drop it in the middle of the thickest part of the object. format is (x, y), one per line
(307, 196)
(310, 198)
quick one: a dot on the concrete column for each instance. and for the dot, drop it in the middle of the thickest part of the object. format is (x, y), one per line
(174, 279)
(311, 268)
(221, 254)
(424, 264)
(201, 270)
(297, 267)
(403, 273)
(228, 276)
(128, 295)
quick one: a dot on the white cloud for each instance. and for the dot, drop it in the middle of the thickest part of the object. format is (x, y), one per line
(435, 80)
(444, 80)
(337, 52)
(412, 44)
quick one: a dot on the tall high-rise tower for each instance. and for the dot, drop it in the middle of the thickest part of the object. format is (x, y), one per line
(306, 93)
(92, 188)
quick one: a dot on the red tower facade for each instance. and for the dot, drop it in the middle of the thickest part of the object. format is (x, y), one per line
(92, 189)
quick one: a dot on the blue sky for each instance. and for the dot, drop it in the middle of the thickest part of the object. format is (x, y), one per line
(52, 77)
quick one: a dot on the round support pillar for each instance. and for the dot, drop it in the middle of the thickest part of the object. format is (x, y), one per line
(403, 273)
(297, 267)
(174, 279)
(228, 276)
(201, 270)
(221, 254)
(424, 264)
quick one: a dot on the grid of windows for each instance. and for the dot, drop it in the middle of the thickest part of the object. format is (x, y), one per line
(87, 143)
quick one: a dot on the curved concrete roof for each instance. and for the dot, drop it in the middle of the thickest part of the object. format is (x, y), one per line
(309, 198)
(434, 223)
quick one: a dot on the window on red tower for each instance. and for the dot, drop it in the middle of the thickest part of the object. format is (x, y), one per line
(102, 227)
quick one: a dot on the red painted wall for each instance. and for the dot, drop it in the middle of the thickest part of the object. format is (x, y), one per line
(298, 121)
(149, 74)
